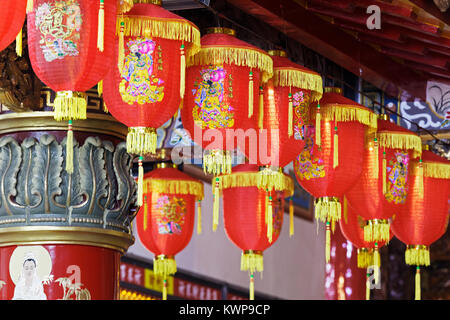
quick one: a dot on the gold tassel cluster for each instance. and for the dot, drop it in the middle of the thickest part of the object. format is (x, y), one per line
(364, 258)
(404, 141)
(19, 43)
(69, 149)
(291, 217)
(164, 266)
(252, 261)
(335, 148)
(347, 113)
(70, 105)
(417, 295)
(101, 27)
(140, 192)
(217, 162)
(268, 179)
(250, 94)
(328, 209)
(141, 140)
(290, 116)
(417, 255)
(377, 230)
(318, 128)
(291, 77)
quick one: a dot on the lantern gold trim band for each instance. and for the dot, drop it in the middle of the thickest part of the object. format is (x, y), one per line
(346, 113)
(417, 255)
(175, 187)
(163, 165)
(377, 230)
(221, 30)
(432, 169)
(291, 77)
(396, 140)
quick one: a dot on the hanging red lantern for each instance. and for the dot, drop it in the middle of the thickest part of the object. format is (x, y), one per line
(252, 218)
(223, 82)
(12, 18)
(424, 217)
(381, 190)
(165, 222)
(331, 161)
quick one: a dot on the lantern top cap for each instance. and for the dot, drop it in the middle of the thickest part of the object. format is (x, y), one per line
(277, 53)
(155, 2)
(333, 90)
(383, 116)
(162, 165)
(221, 30)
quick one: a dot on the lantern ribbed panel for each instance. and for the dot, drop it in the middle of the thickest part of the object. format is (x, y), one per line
(12, 18)
(74, 72)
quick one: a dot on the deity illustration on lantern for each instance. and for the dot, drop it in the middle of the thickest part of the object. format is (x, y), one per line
(307, 166)
(139, 84)
(397, 178)
(173, 214)
(209, 110)
(59, 24)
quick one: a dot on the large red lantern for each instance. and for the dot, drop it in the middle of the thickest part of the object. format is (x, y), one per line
(165, 222)
(12, 18)
(252, 218)
(381, 190)
(223, 81)
(331, 161)
(424, 217)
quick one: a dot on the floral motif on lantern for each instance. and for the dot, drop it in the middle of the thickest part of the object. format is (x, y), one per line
(397, 178)
(59, 24)
(300, 102)
(173, 214)
(139, 84)
(208, 110)
(309, 167)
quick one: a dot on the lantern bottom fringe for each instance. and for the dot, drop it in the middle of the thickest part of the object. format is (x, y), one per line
(365, 258)
(417, 255)
(70, 105)
(164, 266)
(328, 209)
(252, 261)
(269, 180)
(217, 162)
(377, 230)
(141, 140)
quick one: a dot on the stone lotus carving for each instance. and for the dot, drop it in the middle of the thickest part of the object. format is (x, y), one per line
(36, 190)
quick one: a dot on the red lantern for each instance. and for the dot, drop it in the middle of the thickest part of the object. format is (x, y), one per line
(146, 89)
(383, 186)
(332, 159)
(12, 18)
(166, 220)
(223, 82)
(424, 217)
(252, 218)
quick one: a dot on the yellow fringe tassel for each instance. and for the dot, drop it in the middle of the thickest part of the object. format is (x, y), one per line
(194, 188)
(164, 293)
(105, 108)
(252, 261)
(328, 243)
(101, 27)
(365, 258)
(420, 177)
(417, 291)
(396, 140)
(69, 149)
(30, 5)
(100, 88)
(217, 162)
(266, 209)
(328, 209)
(269, 179)
(216, 202)
(19, 43)
(121, 47)
(345, 209)
(270, 220)
(141, 140)
(261, 109)
(140, 193)
(291, 218)
(164, 266)
(250, 94)
(318, 133)
(377, 230)
(182, 72)
(417, 255)
(69, 105)
(285, 77)
(335, 149)
(436, 170)
(384, 169)
(376, 264)
(367, 285)
(347, 113)
(145, 211)
(199, 217)
(376, 167)
(291, 116)
(252, 288)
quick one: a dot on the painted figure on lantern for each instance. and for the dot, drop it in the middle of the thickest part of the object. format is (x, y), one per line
(59, 23)
(172, 214)
(300, 102)
(308, 166)
(139, 84)
(29, 286)
(209, 110)
(397, 178)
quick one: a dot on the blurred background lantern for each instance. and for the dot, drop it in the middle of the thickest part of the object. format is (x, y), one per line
(381, 190)
(12, 18)
(331, 161)
(252, 218)
(424, 217)
(223, 82)
(165, 222)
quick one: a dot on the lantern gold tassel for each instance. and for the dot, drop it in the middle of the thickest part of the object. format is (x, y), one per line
(141, 140)
(69, 149)
(199, 217)
(417, 255)
(291, 116)
(19, 43)
(70, 105)
(365, 258)
(164, 293)
(105, 108)
(250, 95)
(318, 120)
(261, 109)
(327, 242)
(252, 261)
(376, 159)
(145, 212)
(376, 263)
(217, 162)
(100, 88)
(216, 204)
(164, 266)
(252, 287)
(30, 6)
(291, 218)
(182, 72)
(335, 148)
(420, 177)
(384, 173)
(368, 285)
(140, 193)
(328, 209)
(417, 295)
(101, 27)
(270, 220)
(121, 45)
